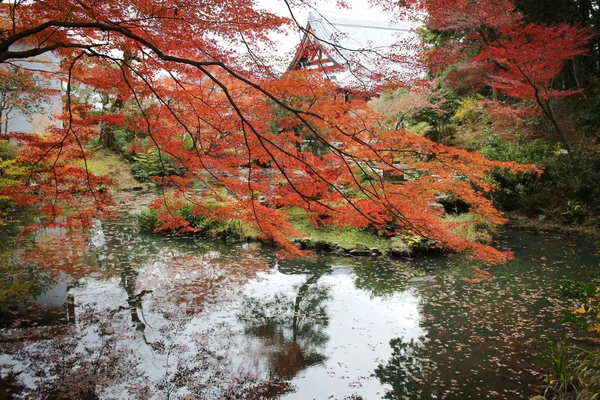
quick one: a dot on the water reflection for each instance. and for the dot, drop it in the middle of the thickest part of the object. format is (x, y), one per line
(292, 328)
(172, 317)
(408, 372)
(478, 338)
(36, 277)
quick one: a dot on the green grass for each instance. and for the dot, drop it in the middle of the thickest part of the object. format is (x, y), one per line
(106, 163)
(474, 229)
(346, 236)
(572, 373)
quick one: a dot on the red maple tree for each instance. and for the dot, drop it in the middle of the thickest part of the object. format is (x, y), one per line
(491, 45)
(211, 110)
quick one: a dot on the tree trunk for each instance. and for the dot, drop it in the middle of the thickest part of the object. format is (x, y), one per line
(549, 112)
(107, 136)
(301, 293)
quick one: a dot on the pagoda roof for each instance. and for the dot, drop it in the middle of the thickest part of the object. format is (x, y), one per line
(364, 51)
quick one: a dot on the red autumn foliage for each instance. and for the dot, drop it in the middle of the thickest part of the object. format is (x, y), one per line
(490, 45)
(530, 56)
(479, 275)
(222, 119)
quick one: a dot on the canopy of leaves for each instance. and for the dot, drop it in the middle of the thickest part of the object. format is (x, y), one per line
(219, 117)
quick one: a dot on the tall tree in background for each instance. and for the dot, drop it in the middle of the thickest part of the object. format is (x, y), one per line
(196, 90)
(490, 44)
(583, 13)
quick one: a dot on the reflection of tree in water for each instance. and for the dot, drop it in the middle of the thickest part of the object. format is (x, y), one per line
(184, 279)
(99, 357)
(111, 248)
(407, 372)
(134, 300)
(180, 273)
(35, 270)
(20, 286)
(191, 368)
(72, 362)
(381, 279)
(295, 328)
(89, 361)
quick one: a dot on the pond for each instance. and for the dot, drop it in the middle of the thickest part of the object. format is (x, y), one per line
(119, 314)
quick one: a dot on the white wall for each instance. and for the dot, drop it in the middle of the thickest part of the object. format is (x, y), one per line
(51, 106)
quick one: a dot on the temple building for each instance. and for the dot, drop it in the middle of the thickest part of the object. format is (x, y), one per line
(360, 55)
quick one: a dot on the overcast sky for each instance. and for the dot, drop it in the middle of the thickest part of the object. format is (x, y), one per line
(358, 8)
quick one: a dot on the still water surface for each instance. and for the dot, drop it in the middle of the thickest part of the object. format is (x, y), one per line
(119, 314)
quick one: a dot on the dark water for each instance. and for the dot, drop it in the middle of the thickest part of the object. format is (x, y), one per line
(119, 314)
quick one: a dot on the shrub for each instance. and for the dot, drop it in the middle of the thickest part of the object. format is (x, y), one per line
(153, 163)
(147, 220)
(469, 111)
(139, 172)
(568, 189)
(572, 372)
(123, 138)
(420, 128)
(472, 227)
(448, 132)
(7, 151)
(10, 173)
